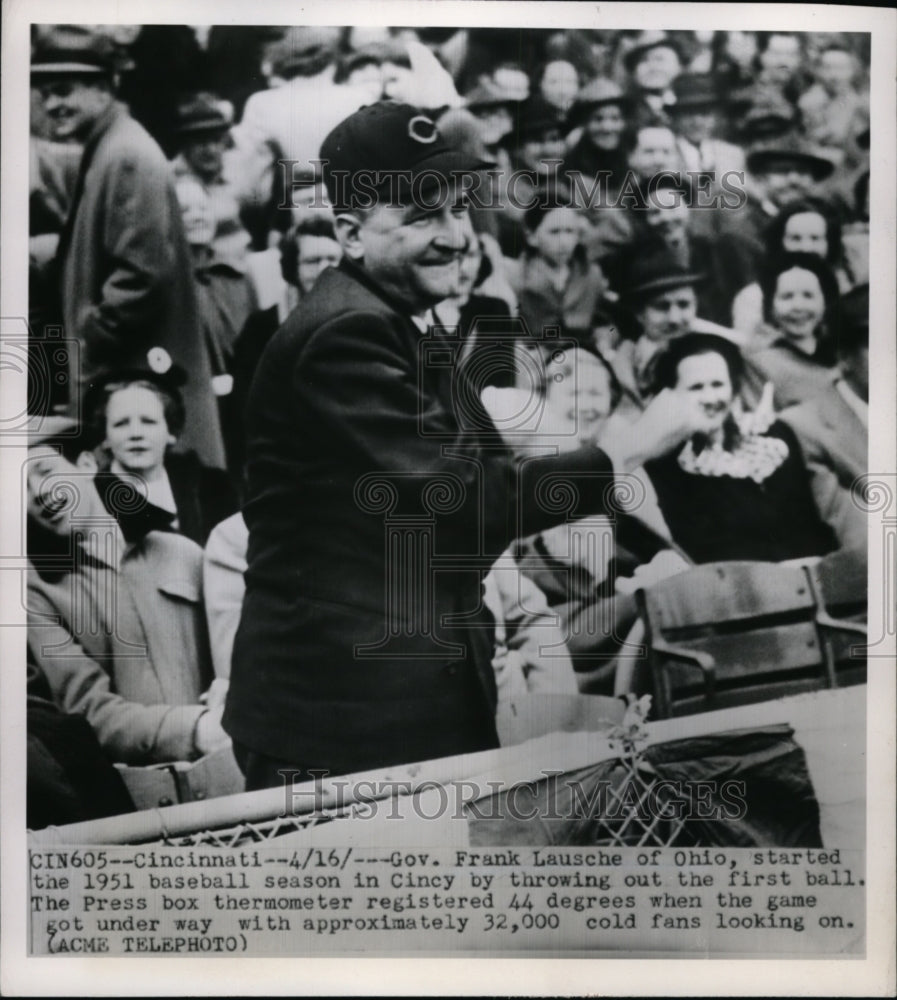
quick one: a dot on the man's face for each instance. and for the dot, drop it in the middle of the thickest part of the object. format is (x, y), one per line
(316, 254)
(696, 124)
(205, 154)
(605, 126)
(668, 314)
(781, 58)
(494, 122)
(556, 236)
(657, 69)
(669, 224)
(72, 104)
(835, 71)
(538, 152)
(655, 151)
(560, 82)
(57, 490)
(787, 180)
(415, 252)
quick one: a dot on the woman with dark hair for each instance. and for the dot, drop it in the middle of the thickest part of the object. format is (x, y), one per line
(805, 226)
(800, 297)
(137, 418)
(731, 492)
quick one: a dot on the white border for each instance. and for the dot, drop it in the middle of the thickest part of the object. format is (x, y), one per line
(102, 977)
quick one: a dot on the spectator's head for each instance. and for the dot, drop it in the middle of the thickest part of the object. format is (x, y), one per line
(59, 477)
(512, 79)
(806, 226)
(654, 61)
(601, 107)
(666, 216)
(581, 387)
(660, 293)
(363, 68)
(799, 290)
(652, 151)
(553, 227)
(779, 56)
(493, 109)
(787, 170)
(306, 50)
(558, 83)
(136, 417)
(707, 367)
(398, 193)
(203, 135)
(740, 47)
(695, 113)
(73, 71)
(541, 144)
(309, 248)
(852, 344)
(836, 69)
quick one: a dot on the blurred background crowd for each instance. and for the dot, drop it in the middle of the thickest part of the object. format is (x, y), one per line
(221, 225)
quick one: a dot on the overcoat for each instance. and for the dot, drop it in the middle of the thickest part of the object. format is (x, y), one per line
(379, 495)
(126, 276)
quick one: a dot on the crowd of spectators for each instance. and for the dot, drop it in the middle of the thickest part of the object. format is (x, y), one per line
(683, 210)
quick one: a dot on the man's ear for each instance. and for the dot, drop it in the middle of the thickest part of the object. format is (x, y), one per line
(348, 234)
(87, 462)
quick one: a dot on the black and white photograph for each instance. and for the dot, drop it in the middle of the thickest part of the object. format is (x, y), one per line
(449, 498)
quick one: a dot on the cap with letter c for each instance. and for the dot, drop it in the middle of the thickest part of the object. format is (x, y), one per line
(386, 150)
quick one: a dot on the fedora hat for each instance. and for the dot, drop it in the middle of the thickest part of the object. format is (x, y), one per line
(487, 94)
(596, 94)
(73, 49)
(201, 113)
(646, 41)
(789, 150)
(654, 270)
(695, 90)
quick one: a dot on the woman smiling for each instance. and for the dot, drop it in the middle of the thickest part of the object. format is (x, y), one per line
(731, 492)
(800, 294)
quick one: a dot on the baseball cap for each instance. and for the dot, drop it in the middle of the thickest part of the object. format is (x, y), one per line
(389, 150)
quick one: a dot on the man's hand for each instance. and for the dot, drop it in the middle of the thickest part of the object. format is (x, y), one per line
(670, 418)
(209, 735)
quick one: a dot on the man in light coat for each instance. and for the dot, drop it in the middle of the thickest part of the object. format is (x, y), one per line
(125, 277)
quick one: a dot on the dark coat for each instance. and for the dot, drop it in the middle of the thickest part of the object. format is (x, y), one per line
(127, 275)
(367, 468)
(718, 518)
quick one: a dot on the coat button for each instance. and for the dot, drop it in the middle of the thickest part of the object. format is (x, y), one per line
(165, 801)
(199, 794)
(452, 669)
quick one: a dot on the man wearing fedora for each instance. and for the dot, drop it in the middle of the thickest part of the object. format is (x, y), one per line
(659, 301)
(653, 63)
(781, 171)
(695, 118)
(125, 279)
(379, 491)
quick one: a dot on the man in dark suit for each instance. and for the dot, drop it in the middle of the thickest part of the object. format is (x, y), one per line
(379, 492)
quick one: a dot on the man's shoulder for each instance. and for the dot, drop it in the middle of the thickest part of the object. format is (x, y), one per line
(338, 298)
(125, 140)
